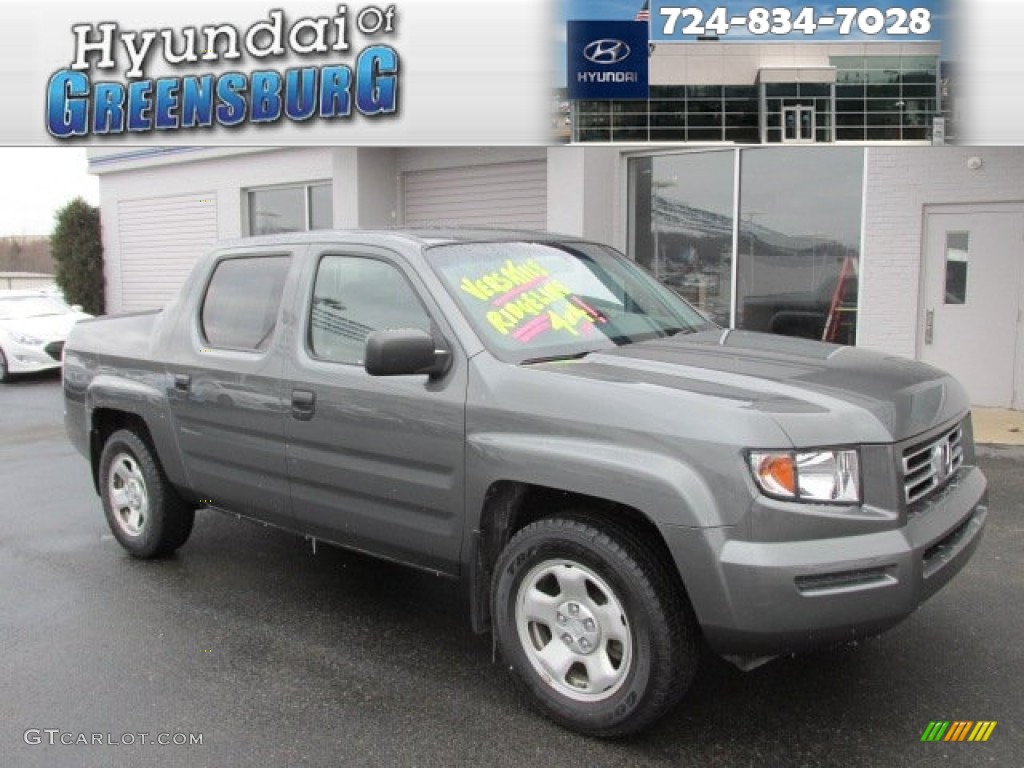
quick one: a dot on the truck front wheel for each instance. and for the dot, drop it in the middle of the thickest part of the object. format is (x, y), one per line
(144, 512)
(593, 625)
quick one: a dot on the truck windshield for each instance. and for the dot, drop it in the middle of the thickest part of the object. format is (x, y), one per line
(547, 300)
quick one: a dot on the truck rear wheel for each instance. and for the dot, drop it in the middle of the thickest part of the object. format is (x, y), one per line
(144, 512)
(593, 625)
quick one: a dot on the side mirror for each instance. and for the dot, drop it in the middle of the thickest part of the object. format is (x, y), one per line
(404, 352)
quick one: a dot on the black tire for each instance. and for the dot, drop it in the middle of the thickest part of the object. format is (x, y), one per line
(621, 678)
(145, 514)
(5, 373)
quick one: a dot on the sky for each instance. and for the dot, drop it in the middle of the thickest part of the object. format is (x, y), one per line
(36, 181)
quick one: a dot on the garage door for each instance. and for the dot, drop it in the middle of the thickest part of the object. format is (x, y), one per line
(160, 239)
(499, 195)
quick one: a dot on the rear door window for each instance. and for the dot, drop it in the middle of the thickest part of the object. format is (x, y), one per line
(242, 300)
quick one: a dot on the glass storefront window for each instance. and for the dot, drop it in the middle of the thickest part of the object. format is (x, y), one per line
(799, 226)
(815, 89)
(798, 222)
(740, 92)
(743, 134)
(666, 134)
(629, 134)
(677, 92)
(704, 134)
(900, 93)
(681, 225)
(776, 90)
(903, 88)
(668, 120)
(704, 91)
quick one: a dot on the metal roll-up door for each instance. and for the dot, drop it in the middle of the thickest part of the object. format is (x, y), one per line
(498, 195)
(159, 241)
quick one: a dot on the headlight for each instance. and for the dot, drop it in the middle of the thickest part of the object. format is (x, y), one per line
(829, 476)
(26, 339)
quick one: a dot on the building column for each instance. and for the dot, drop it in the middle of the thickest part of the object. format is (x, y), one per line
(584, 186)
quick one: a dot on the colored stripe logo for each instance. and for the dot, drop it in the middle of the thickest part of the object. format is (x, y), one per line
(958, 730)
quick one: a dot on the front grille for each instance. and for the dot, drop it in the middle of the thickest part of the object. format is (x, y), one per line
(55, 349)
(928, 465)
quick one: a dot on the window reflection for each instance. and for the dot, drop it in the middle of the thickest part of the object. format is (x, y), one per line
(682, 225)
(277, 210)
(800, 214)
(799, 219)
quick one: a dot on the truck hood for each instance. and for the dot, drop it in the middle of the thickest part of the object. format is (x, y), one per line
(818, 393)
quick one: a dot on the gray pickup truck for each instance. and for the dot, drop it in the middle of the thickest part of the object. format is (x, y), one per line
(618, 482)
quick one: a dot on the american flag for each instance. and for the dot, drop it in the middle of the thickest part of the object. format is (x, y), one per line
(644, 14)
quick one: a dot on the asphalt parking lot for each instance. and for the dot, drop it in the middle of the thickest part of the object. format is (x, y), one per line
(276, 656)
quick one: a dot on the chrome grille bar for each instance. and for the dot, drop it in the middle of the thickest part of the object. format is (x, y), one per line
(928, 465)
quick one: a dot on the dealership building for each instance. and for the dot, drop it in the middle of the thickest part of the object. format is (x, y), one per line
(914, 251)
(776, 93)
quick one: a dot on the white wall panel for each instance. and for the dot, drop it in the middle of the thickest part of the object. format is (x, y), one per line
(499, 195)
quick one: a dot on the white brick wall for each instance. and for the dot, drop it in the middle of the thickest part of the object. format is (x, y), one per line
(901, 181)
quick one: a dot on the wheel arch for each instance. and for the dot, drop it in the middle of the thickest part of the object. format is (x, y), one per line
(509, 506)
(115, 401)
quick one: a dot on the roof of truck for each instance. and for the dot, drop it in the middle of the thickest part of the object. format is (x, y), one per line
(423, 235)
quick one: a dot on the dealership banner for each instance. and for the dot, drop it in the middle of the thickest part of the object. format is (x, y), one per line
(431, 72)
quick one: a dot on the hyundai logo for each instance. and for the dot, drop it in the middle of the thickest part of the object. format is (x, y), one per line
(607, 51)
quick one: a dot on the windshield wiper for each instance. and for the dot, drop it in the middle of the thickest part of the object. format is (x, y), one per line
(556, 358)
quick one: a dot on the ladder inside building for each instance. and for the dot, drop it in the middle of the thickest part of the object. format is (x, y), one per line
(840, 315)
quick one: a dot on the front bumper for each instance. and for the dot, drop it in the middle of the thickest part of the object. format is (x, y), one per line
(760, 599)
(24, 358)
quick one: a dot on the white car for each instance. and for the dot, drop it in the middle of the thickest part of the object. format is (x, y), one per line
(33, 329)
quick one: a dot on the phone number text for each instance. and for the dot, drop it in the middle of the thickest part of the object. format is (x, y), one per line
(787, 21)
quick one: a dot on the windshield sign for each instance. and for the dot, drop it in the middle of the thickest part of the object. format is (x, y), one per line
(541, 300)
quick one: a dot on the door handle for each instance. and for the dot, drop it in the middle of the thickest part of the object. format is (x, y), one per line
(303, 404)
(182, 382)
(929, 326)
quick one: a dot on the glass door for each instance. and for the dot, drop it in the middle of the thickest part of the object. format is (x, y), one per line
(798, 125)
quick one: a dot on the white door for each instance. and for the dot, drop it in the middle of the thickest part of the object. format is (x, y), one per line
(971, 300)
(497, 195)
